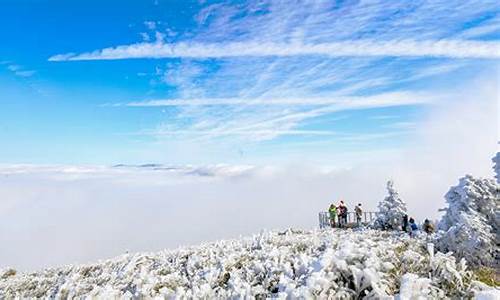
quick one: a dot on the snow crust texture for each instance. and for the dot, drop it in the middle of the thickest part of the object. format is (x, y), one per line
(332, 263)
(470, 225)
(391, 210)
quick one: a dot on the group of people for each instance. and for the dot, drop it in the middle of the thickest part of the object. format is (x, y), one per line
(339, 213)
(411, 227)
(338, 218)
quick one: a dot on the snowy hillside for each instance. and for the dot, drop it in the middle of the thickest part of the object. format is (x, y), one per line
(346, 263)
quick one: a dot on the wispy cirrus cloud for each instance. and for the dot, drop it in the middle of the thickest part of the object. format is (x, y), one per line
(381, 100)
(282, 28)
(18, 70)
(271, 118)
(356, 48)
(258, 71)
(255, 134)
(25, 73)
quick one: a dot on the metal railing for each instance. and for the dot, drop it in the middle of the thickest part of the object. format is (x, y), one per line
(366, 218)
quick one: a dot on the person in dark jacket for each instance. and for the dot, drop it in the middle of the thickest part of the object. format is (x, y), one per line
(359, 213)
(405, 223)
(342, 213)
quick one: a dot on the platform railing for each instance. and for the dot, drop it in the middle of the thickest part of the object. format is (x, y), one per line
(366, 218)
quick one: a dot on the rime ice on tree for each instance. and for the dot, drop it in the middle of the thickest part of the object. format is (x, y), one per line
(470, 224)
(496, 166)
(391, 210)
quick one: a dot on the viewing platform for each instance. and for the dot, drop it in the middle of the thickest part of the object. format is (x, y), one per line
(366, 218)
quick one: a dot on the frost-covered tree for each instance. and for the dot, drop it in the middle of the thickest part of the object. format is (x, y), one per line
(470, 224)
(496, 166)
(390, 210)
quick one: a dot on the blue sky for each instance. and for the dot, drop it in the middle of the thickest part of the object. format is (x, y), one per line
(104, 82)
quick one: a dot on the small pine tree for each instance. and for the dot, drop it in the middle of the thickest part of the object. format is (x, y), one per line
(470, 224)
(496, 166)
(391, 210)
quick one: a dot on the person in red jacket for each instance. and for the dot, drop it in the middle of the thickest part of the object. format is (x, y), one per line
(342, 213)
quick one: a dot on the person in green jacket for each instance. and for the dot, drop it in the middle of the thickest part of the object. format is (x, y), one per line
(333, 213)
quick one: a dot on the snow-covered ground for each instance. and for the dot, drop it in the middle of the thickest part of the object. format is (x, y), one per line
(295, 264)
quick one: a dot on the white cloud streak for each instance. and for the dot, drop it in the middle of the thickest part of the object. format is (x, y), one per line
(25, 73)
(354, 48)
(238, 132)
(382, 100)
(13, 68)
(20, 71)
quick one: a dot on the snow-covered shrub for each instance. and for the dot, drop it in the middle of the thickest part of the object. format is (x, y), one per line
(325, 264)
(441, 277)
(7, 272)
(415, 287)
(470, 225)
(390, 210)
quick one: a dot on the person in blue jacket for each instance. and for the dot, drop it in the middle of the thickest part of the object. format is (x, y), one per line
(413, 227)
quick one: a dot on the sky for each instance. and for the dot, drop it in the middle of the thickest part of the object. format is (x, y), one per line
(178, 82)
(258, 113)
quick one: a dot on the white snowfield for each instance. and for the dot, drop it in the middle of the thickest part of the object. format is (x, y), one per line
(331, 263)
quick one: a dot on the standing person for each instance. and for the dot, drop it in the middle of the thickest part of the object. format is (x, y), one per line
(333, 214)
(359, 213)
(405, 223)
(345, 214)
(413, 227)
(341, 210)
(428, 227)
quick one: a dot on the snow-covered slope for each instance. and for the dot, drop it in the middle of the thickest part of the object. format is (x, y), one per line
(292, 264)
